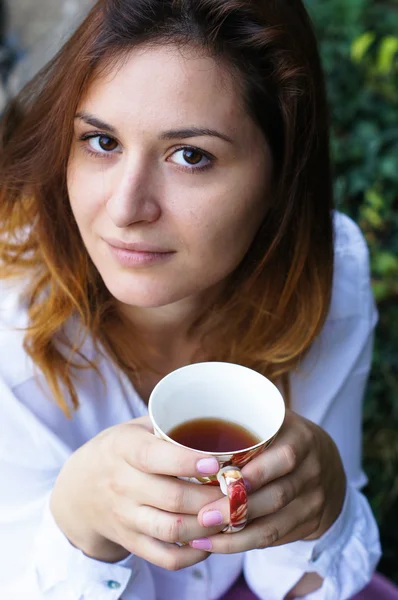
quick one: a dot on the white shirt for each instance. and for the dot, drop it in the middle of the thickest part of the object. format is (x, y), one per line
(38, 562)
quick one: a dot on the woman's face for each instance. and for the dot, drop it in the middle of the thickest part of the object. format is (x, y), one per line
(168, 176)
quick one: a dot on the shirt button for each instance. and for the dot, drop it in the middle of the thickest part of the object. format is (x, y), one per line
(197, 574)
(113, 585)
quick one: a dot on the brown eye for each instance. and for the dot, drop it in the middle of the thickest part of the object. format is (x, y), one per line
(192, 156)
(106, 143)
(193, 160)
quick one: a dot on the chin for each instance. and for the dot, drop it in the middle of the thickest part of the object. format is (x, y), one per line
(147, 295)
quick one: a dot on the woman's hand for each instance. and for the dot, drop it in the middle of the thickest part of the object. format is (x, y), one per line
(297, 489)
(118, 494)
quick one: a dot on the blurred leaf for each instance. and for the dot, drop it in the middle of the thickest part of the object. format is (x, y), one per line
(381, 290)
(359, 50)
(372, 216)
(374, 199)
(361, 45)
(387, 53)
(389, 167)
(385, 263)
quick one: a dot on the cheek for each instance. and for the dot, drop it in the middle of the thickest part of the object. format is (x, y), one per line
(85, 198)
(226, 227)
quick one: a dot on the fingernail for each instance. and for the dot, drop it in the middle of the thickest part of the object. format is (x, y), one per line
(208, 466)
(211, 518)
(201, 544)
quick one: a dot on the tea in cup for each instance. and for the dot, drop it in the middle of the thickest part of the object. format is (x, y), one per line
(224, 410)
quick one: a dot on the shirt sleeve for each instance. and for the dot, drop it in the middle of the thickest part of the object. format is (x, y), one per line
(329, 390)
(37, 560)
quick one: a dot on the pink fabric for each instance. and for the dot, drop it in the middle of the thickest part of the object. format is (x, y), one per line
(379, 588)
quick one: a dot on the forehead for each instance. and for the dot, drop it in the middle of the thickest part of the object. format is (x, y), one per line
(167, 82)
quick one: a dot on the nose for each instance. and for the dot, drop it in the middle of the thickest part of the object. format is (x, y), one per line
(134, 194)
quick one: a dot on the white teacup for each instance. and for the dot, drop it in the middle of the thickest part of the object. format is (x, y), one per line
(224, 391)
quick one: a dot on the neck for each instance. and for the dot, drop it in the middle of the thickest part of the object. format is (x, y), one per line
(168, 341)
(168, 327)
(159, 323)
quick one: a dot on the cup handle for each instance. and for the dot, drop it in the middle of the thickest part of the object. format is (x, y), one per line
(233, 485)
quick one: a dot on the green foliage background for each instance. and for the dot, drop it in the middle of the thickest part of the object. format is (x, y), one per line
(359, 47)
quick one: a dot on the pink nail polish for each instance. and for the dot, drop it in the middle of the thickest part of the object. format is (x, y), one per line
(208, 466)
(211, 518)
(201, 544)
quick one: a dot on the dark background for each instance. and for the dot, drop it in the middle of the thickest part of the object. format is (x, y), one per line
(359, 46)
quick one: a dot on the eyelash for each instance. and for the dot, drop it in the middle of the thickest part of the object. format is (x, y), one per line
(89, 136)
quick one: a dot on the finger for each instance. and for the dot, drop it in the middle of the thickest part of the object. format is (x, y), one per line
(300, 533)
(178, 496)
(262, 533)
(149, 454)
(170, 527)
(278, 494)
(268, 500)
(144, 422)
(287, 452)
(159, 491)
(164, 555)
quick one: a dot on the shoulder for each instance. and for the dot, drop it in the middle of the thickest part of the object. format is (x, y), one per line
(351, 292)
(349, 239)
(334, 370)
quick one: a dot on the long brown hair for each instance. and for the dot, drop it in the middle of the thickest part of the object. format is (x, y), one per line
(276, 301)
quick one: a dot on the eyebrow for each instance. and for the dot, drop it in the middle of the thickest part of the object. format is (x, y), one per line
(91, 120)
(172, 134)
(194, 132)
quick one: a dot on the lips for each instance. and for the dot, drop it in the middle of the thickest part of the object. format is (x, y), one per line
(137, 255)
(136, 246)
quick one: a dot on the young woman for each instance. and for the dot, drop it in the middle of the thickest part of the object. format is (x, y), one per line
(166, 199)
